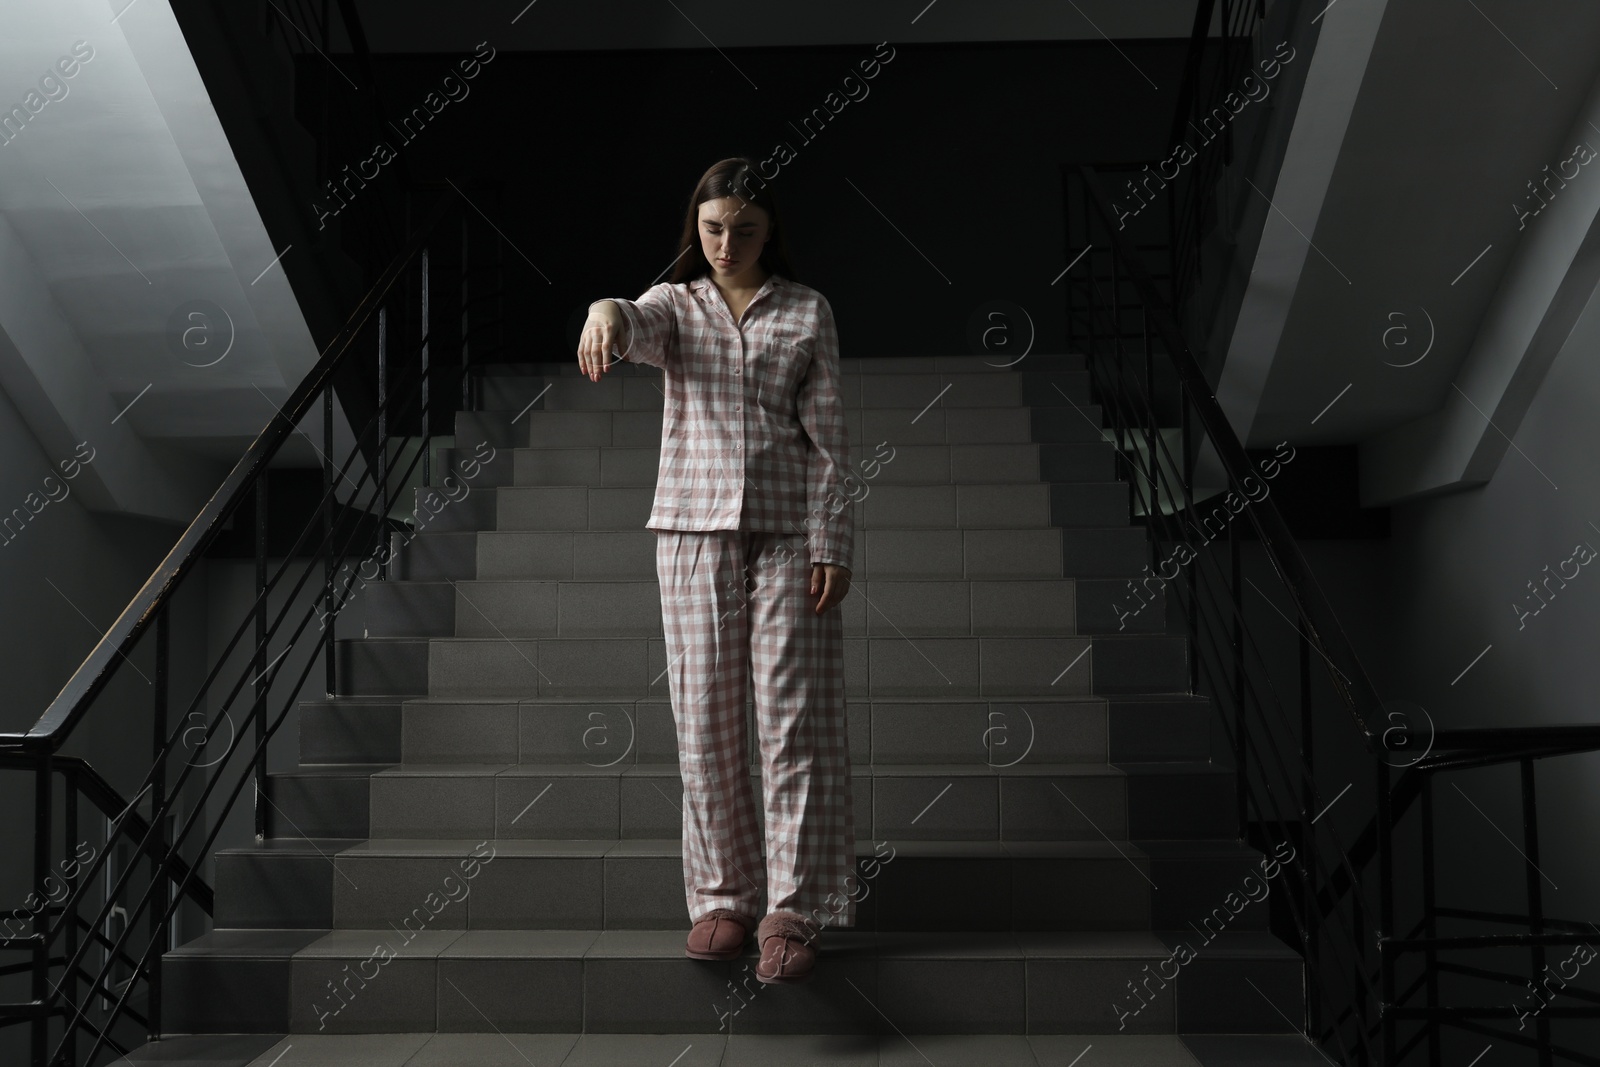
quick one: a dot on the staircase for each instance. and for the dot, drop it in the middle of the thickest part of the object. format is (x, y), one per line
(1039, 821)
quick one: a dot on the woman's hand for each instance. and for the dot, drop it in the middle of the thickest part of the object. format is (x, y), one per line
(604, 328)
(833, 580)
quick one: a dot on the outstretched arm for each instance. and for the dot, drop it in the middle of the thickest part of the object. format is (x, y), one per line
(642, 329)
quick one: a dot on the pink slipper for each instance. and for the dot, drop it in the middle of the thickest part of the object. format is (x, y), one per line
(787, 940)
(719, 934)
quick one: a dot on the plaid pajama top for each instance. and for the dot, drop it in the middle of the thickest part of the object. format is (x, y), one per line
(753, 434)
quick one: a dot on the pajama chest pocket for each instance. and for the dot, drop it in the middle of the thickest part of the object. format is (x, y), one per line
(783, 366)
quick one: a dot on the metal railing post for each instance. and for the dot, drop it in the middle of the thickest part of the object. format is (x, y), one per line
(259, 708)
(330, 615)
(1386, 930)
(427, 413)
(1430, 917)
(43, 991)
(1240, 733)
(1308, 801)
(466, 316)
(158, 795)
(1152, 463)
(1530, 850)
(382, 474)
(1190, 578)
(69, 838)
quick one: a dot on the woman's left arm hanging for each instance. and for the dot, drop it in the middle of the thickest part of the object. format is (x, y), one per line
(830, 518)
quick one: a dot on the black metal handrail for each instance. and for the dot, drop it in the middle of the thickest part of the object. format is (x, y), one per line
(1372, 974)
(88, 783)
(1356, 689)
(309, 31)
(295, 84)
(1535, 931)
(1407, 797)
(418, 373)
(55, 726)
(1403, 801)
(1202, 89)
(339, 527)
(1333, 915)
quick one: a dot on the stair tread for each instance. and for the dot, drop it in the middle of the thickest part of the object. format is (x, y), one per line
(877, 488)
(668, 944)
(848, 407)
(1059, 698)
(561, 1048)
(846, 366)
(1097, 769)
(861, 637)
(859, 447)
(980, 440)
(449, 848)
(902, 364)
(856, 580)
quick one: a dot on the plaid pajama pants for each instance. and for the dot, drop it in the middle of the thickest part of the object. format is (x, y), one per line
(736, 609)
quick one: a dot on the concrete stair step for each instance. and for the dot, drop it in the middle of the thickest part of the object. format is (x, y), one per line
(1006, 666)
(616, 608)
(999, 505)
(499, 1049)
(348, 730)
(639, 981)
(899, 426)
(351, 730)
(1085, 552)
(593, 465)
(994, 387)
(638, 884)
(1026, 505)
(954, 801)
(1021, 748)
(513, 386)
(953, 364)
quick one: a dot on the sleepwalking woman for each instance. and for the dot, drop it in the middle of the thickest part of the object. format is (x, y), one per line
(754, 541)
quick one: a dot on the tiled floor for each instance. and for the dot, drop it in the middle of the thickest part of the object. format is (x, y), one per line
(703, 1050)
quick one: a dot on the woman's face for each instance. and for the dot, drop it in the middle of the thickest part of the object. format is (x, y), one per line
(732, 233)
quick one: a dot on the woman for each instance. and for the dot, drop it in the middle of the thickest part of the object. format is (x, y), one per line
(753, 549)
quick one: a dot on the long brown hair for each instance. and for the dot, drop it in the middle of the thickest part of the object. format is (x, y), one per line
(736, 177)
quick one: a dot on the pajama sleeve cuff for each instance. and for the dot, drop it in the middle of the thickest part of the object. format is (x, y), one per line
(652, 325)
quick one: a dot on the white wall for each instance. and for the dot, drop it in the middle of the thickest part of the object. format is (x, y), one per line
(1458, 563)
(66, 573)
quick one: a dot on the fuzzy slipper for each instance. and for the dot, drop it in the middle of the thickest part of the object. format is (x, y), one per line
(719, 934)
(787, 941)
